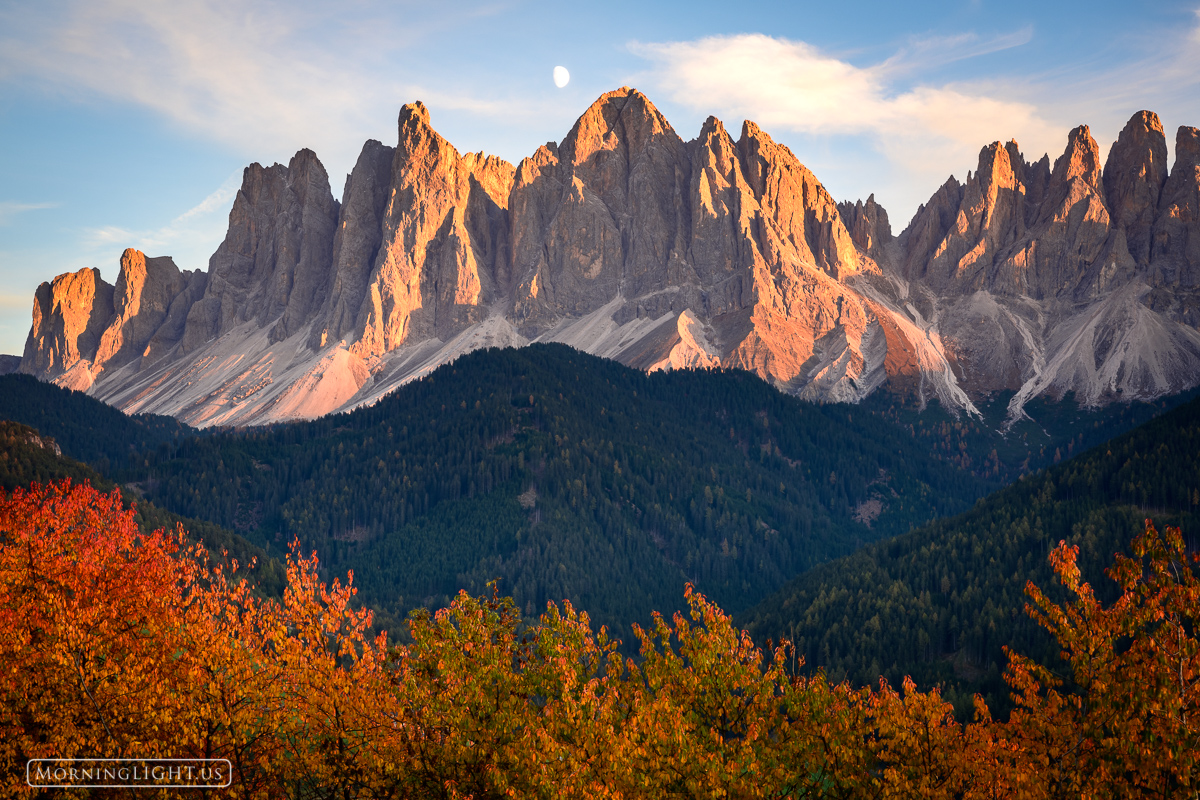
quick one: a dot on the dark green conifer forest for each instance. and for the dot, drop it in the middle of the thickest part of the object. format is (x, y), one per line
(565, 476)
(941, 603)
(27, 457)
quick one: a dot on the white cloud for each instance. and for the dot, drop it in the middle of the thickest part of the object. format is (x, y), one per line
(8, 210)
(923, 131)
(266, 77)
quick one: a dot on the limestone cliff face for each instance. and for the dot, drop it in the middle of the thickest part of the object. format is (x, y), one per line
(1134, 175)
(806, 328)
(443, 233)
(70, 314)
(627, 241)
(83, 326)
(356, 242)
(601, 215)
(1018, 228)
(868, 226)
(740, 234)
(1176, 238)
(273, 266)
(1052, 280)
(142, 298)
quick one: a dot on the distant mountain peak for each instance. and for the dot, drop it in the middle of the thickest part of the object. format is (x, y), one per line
(626, 241)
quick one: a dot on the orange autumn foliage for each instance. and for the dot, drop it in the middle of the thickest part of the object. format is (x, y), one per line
(94, 618)
(116, 643)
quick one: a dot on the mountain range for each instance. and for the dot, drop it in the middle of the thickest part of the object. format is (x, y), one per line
(1028, 279)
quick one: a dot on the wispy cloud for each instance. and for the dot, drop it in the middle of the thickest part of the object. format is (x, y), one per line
(190, 238)
(15, 302)
(926, 52)
(267, 77)
(791, 85)
(8, 210)
(217, 200)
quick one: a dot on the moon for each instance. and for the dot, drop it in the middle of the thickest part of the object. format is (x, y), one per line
(561, 76)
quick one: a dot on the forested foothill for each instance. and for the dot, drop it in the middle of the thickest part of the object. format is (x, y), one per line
(27, 457)
(565, 476)
(942, 602)
(95, 433)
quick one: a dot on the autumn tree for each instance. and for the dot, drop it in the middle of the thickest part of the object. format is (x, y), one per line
(94, 627)
(1123, 720)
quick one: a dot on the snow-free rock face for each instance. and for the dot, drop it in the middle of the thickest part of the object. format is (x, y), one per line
(629, 242)
(443, 233)
(1059, 280)
(868, 226)
(69, 316)
(82, 326)
(1176, 244)
(273, 267)
(1134, 175)
(142, 299)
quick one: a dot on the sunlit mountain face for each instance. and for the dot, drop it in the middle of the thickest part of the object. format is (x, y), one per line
(1029, 279)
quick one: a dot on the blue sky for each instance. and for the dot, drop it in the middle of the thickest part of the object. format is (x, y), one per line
(128, 124)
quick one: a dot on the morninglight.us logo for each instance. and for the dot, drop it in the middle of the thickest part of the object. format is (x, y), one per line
(128, 773)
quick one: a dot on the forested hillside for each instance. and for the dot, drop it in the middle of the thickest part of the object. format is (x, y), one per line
(940, 603)
(27, 457)
(86, 429)
(987, 447)
(567, 476)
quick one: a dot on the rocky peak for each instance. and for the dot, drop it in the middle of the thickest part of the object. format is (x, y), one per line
(1081, 161)
(989, 215)
(711, 127)
(598, 216)
(274, 261)
(622, 120)
(802, 224)
(356, 242)
(928, 228)
(715, 150)
(413, 116)
(142, 297)
(621, 137)
(999, 168)
(1187, 147)
(868, 226)
(1176, 246)
(1134, 175)
(444, 230)
(721, 208)
(70, 314)
(995, 197)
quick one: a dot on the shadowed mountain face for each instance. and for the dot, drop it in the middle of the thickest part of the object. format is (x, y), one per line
(628, 242)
